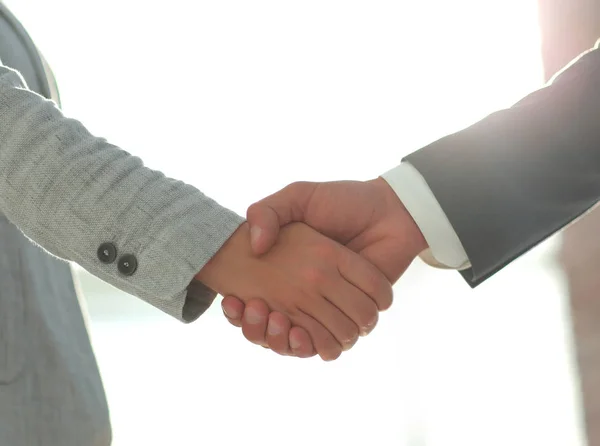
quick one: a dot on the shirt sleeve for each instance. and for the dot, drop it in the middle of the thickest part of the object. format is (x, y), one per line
(445, 249)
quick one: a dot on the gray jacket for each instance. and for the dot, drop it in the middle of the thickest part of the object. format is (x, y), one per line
(71, 193)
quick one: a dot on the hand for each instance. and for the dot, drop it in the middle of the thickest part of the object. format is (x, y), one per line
(367, 217)
(309, 279)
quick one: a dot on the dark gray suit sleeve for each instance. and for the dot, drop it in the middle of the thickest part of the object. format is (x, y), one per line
(521, 174)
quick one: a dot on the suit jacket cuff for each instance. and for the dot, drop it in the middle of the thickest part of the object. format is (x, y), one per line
(445, 249)
(72, 192)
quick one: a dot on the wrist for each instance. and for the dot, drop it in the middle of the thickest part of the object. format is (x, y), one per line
(214, 273)
(427, 214)
(401, 217)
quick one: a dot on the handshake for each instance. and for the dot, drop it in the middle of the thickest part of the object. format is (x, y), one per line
(314, 264)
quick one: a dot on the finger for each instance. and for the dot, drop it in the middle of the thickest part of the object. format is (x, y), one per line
(366, 277)
(354, 303)
(335, 321)
(254, 322)
(233, 309)
(300, 343)
(264, 228)
(269, 214)
(325, 343)
(278, 333)
(379, 253)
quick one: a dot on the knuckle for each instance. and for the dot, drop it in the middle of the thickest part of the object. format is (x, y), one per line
(297, 185)
(325, 249)
(315, 275)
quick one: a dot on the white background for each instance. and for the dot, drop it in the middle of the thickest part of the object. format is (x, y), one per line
(242, 97)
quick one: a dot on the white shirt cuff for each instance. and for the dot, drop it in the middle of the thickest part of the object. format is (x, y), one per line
(445, 249)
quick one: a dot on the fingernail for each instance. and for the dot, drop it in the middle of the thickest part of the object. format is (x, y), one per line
(230, 314)
(347, 345)
(294, 343)
(253, 316)
(273, 328)
(255, 232)
(368, 328)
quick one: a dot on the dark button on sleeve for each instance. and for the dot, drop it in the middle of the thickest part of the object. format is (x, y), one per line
(107, 253)
(127, 264)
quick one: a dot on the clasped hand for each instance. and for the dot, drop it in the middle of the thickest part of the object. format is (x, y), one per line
(314, 265)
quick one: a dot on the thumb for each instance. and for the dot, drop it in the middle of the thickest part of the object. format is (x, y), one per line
(266, 216)
(264, 227)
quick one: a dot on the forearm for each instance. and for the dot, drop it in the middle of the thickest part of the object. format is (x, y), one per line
(70, 192)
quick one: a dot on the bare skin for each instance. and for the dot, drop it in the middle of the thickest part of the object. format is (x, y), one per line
(310, 280)
(367, 217)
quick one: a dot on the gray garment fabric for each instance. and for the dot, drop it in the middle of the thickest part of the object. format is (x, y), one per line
(69, 192)
(50, 387)
(521, 174)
